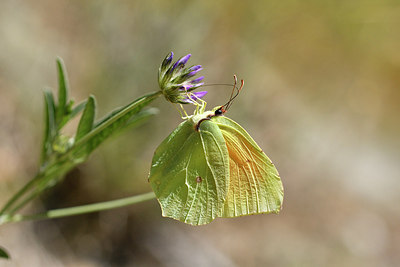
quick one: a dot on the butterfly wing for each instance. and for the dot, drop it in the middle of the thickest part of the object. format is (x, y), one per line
(190, 173)
(254, 186)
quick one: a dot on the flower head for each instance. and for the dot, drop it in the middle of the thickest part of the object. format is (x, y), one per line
(176, 81)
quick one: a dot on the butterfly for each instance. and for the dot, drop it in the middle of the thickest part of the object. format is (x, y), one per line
(210, 167)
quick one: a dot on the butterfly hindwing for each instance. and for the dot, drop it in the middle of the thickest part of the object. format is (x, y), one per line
(190, 173)
(255, 185)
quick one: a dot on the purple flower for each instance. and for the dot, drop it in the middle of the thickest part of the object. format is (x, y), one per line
(167, 60)
(176, 81)
(197, 80)
(186, 87)
(194, 96)
(181, 62)
(194, 71)
(196, 68)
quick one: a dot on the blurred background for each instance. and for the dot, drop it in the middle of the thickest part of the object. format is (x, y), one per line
(321, 98)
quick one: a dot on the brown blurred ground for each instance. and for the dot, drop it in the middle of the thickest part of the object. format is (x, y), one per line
(321, 98)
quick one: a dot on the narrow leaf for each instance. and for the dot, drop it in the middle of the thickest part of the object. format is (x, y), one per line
(75, 111)
(137, 120)
(141, 117)
(87, 119)
(3, 253)
(62, 91)
(110, 115)
(50, 126)
(113, 123)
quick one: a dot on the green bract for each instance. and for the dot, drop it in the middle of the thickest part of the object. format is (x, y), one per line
(209, 167)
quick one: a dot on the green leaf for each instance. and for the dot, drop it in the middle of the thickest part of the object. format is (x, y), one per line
(50, 124)
(110, 115)
(62, 92)
(141, 117)
(113, 123)
(87, 119)
(137, 120)
(75, 111)
(3, 253)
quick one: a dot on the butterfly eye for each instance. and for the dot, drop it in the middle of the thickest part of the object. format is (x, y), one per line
(218, 112)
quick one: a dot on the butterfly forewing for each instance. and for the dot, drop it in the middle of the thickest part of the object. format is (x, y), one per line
(255, 185)
(190, 173)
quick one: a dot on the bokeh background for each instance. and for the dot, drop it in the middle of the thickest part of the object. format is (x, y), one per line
(321, 98)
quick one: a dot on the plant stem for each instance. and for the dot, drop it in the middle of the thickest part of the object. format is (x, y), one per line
(25, 201)
(20, 193)
(58, 213)
(15, 203)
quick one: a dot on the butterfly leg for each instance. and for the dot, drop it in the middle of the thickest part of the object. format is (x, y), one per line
(182, 112)
(201, 107)
(198, 102)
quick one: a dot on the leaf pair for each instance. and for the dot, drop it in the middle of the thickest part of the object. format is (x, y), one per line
(57, 114)
(209, 167)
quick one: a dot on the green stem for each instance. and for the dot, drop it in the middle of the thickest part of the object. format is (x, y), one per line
(58, 213)
(25, 201)
(45, 179)
(15, 203)
(20, 193)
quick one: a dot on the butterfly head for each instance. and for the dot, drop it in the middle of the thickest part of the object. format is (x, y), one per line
(219, 111)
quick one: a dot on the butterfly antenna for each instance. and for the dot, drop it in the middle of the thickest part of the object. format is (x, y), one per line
(217, 84)
(234, 87)
(235, 92)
